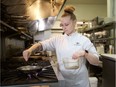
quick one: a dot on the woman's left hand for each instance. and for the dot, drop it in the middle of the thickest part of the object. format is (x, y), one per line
(78, 54)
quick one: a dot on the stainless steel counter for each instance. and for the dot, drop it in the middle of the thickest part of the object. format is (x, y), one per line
(108, 75)
(110, 56)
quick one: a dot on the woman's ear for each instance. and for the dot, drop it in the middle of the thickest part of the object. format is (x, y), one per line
(74, 21)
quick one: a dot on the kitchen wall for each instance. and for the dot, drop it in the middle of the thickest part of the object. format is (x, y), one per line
(115, 20)
(88, 11)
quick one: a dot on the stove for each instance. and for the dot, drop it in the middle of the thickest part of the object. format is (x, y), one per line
(11, 76)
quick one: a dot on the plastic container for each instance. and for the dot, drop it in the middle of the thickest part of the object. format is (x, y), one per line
(70, 63)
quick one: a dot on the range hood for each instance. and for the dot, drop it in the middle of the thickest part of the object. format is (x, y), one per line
(30, 15)
(42, 18)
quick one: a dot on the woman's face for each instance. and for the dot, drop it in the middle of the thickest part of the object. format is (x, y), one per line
(68, 25)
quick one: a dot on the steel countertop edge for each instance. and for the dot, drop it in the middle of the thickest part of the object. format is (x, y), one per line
(109, 56)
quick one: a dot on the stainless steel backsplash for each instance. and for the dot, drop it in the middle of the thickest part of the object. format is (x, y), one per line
(11, 47)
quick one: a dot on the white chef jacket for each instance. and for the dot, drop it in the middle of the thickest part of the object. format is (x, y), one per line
(65, 46)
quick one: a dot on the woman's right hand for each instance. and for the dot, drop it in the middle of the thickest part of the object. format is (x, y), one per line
(26, 54)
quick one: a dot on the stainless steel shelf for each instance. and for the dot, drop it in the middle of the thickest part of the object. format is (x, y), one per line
(107, 26)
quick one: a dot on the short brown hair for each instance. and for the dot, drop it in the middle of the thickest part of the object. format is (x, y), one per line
(68, 11)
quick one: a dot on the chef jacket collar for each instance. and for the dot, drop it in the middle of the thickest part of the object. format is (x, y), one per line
(72, 34)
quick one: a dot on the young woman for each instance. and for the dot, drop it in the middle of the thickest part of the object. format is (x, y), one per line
(73, 45)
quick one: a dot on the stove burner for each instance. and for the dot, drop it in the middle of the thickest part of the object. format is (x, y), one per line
(36, 74)
(29, 76)
(10, 76)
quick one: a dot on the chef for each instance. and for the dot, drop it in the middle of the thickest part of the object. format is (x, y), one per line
(70, 45)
